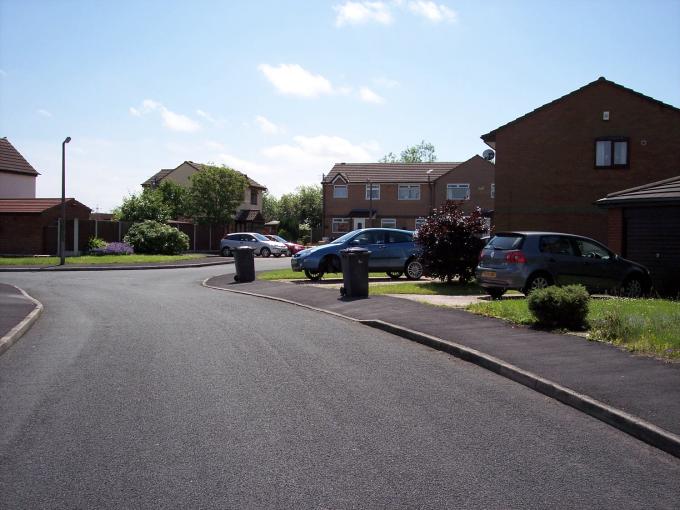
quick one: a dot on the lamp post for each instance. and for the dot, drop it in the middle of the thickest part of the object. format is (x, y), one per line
(62, 230)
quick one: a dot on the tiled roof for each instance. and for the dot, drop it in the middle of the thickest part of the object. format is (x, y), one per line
(34, 205)
(12, 161)
(159, 176)
(667, 190)
(389, 172)
(491, 135)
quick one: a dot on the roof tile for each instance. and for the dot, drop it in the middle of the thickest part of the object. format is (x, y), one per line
(12, 161)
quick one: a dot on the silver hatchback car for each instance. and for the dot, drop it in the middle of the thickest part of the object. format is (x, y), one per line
(526, 261)
(262, 246)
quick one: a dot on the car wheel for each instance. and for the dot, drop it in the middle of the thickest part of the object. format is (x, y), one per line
(226, 252)
(414, 269)
(395, 274)
(277, 255)
(495, 292)
(633, 287)
(313, 275)
(537, 281)
(265, 252)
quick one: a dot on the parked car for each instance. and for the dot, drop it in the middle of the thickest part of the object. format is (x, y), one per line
(258, 242)
(392, 251)
(293, 248)
(526, 261)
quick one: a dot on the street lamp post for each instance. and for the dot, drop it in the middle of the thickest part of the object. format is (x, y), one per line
(62, 230)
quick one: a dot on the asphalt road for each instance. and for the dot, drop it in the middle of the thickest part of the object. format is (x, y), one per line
(142, 389)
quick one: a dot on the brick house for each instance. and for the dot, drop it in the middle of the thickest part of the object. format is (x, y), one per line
(17, 176)
(401, 195)
(553, 163)
(644, 225)
(29, 225)
(249, 213)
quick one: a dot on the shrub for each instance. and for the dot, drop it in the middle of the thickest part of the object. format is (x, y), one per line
(450, 241)
(96, 243)
(156, 238)
(117, 249)
(560, 306)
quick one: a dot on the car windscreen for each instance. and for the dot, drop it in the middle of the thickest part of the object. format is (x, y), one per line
(344, 238)
(505, 242)
(280, 239)
(260, 237)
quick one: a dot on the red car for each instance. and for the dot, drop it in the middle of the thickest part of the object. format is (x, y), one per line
(293, 248)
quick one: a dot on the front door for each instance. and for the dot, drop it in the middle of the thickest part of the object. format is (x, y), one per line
(359, 223)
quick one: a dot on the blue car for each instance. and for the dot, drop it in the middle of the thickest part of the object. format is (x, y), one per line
(392, 251)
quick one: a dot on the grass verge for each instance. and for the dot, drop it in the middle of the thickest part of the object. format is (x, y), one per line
(289, 274)
(427, 288)
(95, 259)
(644, 326)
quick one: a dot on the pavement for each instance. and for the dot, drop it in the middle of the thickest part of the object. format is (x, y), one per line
(639, 395)
(18, 311)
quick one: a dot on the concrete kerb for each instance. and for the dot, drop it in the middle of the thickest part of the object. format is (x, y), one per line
(112, 267)
(628, 423)
(18, 331)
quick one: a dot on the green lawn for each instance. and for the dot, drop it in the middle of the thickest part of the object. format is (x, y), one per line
(289, 274)
(95, 259)
(646, 326)
(426, 288)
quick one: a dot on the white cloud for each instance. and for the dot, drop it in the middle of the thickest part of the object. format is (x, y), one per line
(213, 145)
(292, 79)
(43, 113)
(322, 147)
(355, 13)
(368, 96)
(171, 120)
(435, 13)
(211, 119)
(386, 83)
(267, 126)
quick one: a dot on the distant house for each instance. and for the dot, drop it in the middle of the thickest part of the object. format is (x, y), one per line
(555, 162)
(249, 214)
(401, 195)
(17, 176)
(644, 225)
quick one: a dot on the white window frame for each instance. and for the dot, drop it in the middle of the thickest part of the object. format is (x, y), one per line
(336, 187)
(374, 188)
(420, 222)
(452, 186)
(392, 221)
(337, 221)
(408, 188)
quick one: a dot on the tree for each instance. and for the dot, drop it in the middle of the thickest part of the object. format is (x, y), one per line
(270, 207)
(148, 205)
(174, 197)
(423, 152)
(215, 193)
(309, 206)
(451, 243)
(301, 209)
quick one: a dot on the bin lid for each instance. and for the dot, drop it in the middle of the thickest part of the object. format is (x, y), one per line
(244, 248)
(355, 250)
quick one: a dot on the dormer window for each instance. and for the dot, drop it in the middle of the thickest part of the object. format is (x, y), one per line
(611, 153)
(253, 196)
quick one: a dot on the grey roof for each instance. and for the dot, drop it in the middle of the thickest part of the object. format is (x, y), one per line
(658, 192)
(12, 161)
(389, 172)
(162, 174)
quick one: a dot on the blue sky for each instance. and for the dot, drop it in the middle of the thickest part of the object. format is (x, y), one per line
(281, 90)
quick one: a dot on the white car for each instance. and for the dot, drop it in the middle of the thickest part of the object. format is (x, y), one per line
(262, 246)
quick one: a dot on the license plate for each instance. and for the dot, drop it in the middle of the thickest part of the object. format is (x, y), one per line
(488, 274)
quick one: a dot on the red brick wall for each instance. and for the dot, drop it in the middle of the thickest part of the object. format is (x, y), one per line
(545, 164)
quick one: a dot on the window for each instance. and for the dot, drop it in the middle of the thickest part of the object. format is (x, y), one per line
(399, 237)
(493, 190)
(458, 192)
(388, 223)
(611, 153)
(369, 237)
(340, 191)
(341, 225)
(419, 222)
(557, 245)
(409, 192)
(591, 250)
(373, 190)
(253, 196)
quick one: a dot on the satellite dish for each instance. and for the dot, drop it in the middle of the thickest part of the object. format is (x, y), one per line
(488, 154)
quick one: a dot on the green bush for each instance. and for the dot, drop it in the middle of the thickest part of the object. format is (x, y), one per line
(156, 238)
(560, 306)
(96, 242)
